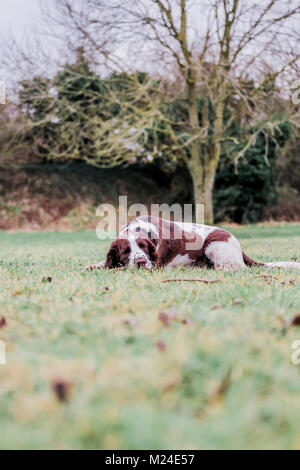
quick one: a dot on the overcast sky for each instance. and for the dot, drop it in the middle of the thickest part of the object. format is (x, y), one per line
(18, 15)
(22, 16)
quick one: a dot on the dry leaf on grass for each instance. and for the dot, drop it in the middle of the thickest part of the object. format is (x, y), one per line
(130, 322)
(104, 290)
(215, 307)
(17, 293)
(62, 389)
(187, 321)
(165, 318)
(237, 301)
(161, 346)
(290, 282)
(3, 322)
(296, 320)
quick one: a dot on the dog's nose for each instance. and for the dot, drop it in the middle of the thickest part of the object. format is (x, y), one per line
(141, 262)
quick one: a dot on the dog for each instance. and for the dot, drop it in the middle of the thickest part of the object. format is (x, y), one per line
(152, 242)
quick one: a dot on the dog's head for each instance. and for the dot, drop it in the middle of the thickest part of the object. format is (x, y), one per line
(132, 251)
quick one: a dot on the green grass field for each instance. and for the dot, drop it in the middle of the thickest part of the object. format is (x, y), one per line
(119, 360)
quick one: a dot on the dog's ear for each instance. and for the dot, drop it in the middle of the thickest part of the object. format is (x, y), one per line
(152, 251)
(112, 257)
(164, 252)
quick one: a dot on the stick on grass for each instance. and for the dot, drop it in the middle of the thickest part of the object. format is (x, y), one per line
(206, 281)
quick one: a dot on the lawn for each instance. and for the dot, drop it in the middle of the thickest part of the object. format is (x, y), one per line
(120, 360)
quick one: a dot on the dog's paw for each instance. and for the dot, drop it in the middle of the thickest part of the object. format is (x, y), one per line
(92, 267)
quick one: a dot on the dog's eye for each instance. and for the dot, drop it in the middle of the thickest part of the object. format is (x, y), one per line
(126, 251)
(142, 244)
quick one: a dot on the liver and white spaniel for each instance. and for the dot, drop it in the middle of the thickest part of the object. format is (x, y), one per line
(154, 242)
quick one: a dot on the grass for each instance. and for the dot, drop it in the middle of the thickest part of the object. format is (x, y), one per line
(91, 364)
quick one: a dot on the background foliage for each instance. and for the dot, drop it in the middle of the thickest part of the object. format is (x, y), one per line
(69, 119)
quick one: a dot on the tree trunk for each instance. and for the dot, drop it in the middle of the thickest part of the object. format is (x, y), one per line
(203, 163)
(203, 177)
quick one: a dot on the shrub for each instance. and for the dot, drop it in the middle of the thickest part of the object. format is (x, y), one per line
(244, 193)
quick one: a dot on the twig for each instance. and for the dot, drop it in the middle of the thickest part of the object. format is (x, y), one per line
(121, 268)
(267, 276)
(206, 281)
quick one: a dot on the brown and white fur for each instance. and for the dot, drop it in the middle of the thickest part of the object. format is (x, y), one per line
(155, 242)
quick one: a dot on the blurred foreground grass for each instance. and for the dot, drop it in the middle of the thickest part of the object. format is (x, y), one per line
(118, 360)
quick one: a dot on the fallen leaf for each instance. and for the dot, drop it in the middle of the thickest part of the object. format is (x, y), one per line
(225, 384)
(3, 322)
(161, 346)
(165, 318)
(170, 386)
(282, 321)
(17, 292)
(296, 320)
(130, 322)
(215, 307)
(62, 389)
(237, 301)
(104, 290)
(289, 282)
(188, 321)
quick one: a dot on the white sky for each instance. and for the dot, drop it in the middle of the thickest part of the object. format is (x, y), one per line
(18, 15)
(21, 16)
